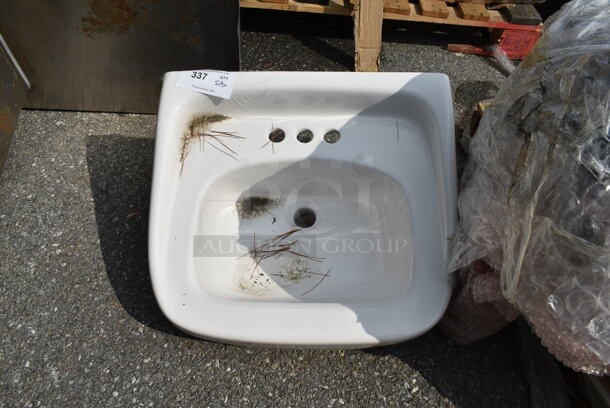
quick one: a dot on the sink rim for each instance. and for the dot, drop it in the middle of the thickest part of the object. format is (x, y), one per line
(396, 329)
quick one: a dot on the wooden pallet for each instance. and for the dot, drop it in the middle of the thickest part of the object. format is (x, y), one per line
(369, 15)
(334, 6)
(409, 12)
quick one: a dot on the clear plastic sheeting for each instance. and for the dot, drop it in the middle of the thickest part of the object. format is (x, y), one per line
(535, 197)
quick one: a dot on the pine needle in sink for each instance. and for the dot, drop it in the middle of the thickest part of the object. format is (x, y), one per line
(276, 247)
(198, 129)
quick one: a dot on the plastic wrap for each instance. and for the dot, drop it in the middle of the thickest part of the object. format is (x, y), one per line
(500, 56)
(535, 196)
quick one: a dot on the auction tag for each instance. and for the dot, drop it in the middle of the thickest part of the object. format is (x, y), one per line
(216, 83)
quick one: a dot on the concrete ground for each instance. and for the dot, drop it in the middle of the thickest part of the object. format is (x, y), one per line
(80, 325)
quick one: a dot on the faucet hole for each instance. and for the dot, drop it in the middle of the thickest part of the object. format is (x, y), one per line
(332, 136)
(305, 217)
(305, 136)
(277, 135)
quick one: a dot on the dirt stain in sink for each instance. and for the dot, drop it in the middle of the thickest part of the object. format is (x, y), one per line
(297, 270)
(252, 207)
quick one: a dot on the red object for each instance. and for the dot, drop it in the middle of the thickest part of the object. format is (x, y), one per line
(517, 44)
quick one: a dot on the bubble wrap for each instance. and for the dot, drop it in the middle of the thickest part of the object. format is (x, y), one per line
(535, 197)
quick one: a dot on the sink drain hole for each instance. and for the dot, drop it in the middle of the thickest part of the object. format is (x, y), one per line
(305, 217)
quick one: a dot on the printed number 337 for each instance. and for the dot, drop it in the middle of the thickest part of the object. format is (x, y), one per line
(198, 75)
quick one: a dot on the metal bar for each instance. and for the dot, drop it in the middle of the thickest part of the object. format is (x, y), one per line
(12, 96)
(7, 50)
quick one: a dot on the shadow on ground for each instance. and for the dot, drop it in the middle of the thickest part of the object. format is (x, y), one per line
(328, 40)
(468, 94)
(487, 373)
(120, 170)
(342, 27)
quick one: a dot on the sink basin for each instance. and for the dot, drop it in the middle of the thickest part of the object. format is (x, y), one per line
(309, 209)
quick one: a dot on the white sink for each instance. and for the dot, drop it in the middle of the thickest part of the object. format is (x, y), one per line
(312, 244)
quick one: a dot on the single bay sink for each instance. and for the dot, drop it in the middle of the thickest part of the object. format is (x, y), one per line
(309, 209)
